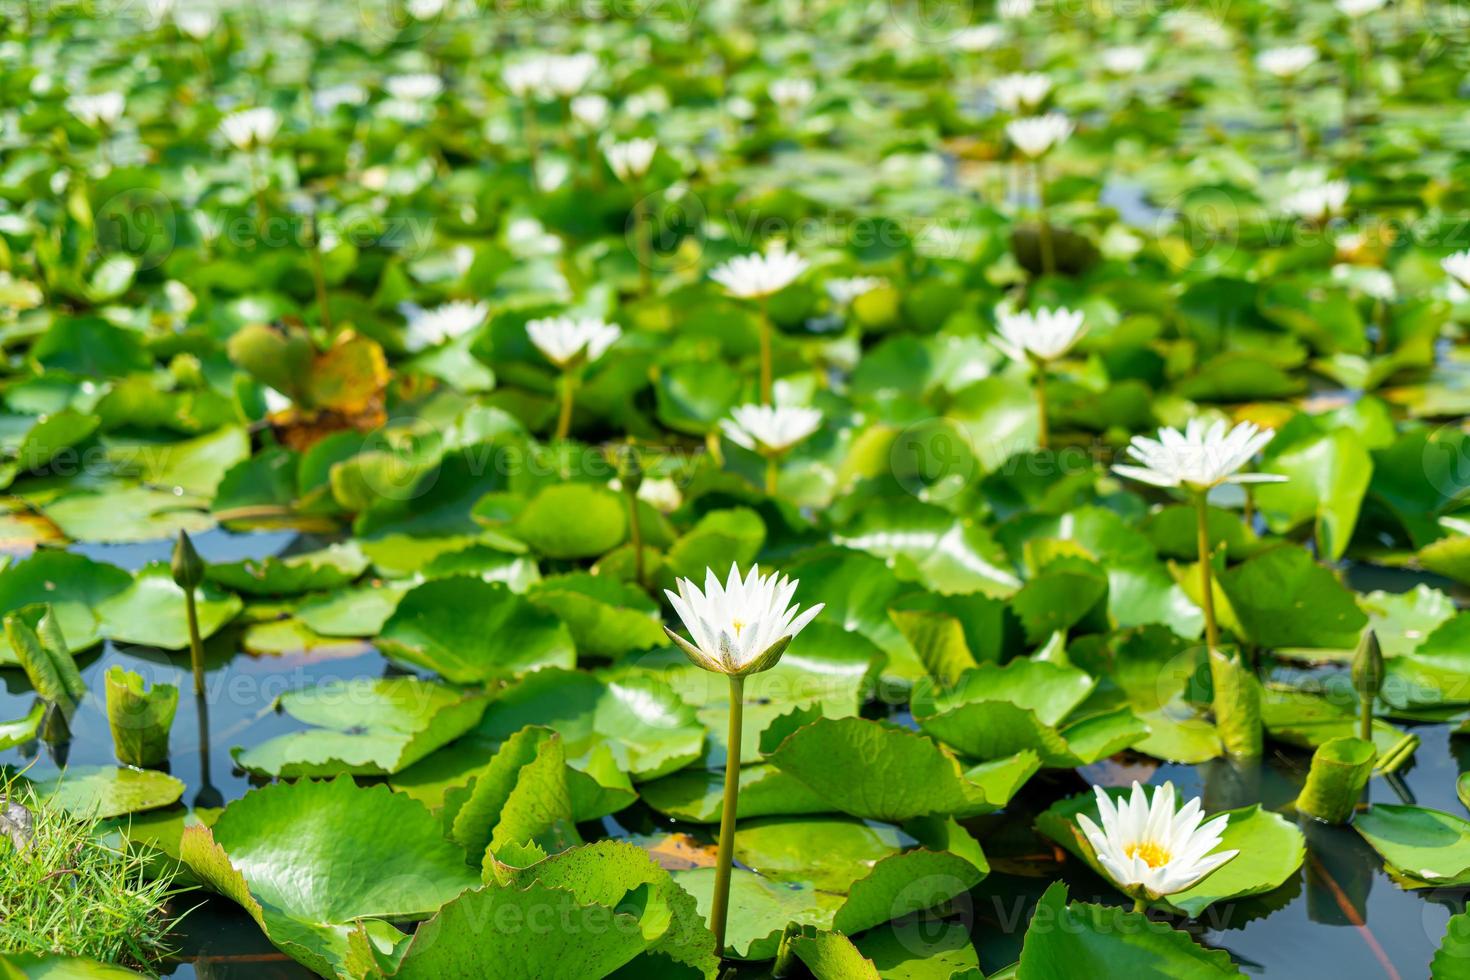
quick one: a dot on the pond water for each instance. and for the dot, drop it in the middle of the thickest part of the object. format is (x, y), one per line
(1340, 916)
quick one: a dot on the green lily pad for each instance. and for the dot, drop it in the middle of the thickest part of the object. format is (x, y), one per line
(74, 586)
(573, 520)
(468, 630)
(151, 611)
(364, 727)
(608, 618)
(330, 568)
(879, 772)
(1078, 939)
(353, 612)
(99, 792)
(22, 730)
(1283, 598)
(128, 514)
(696, 795)
(308, 860)
(1452, 958)
(1422, 848)
(29, 966)
(649, 730)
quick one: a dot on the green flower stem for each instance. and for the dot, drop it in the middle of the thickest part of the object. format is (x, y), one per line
(196, 646)
(1140, 906)
(720, 903)
(643, 233)
(1043, 229)
(772, 472)
(319, 277)
(1207, 595)
(568, 397)
(1043, 432)
(766, 382)
(532, 136)
(1365, 719)
(262, 213)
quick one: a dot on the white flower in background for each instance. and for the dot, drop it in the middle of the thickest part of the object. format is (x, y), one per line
(754, 276)
(334, 96)
(1034, 136)
(1358, 8)
(197, 24)
(591, 110)
(275, 402)
(527, 77)
(631, 159)
(102, 110)
(1149, 849)
(1458, 267)
(565, 341)
(1045, 335)
(425, 9)
(768, 429)
(430, 328)
(1022, 91)
(250, 128)
(843, 291)
(792, 93)
(1192, 27)
(1119, 243)
(1015, 9)
(568, 74)
(981, 37)
(1200, 457)
(662, 493)
(1374, 283)
(1124, 60)
(1317, 201)
(741, 627)
(649, 102)
(418, 87)
(158, 10)
(739, 107)
(1287, 62)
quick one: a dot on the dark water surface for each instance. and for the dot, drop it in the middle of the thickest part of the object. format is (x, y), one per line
(1341, 917)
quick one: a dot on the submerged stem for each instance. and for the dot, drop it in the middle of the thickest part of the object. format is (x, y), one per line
(720, 903)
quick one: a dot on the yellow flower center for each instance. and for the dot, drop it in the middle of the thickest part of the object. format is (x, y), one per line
(1152, 852)
(738, 626)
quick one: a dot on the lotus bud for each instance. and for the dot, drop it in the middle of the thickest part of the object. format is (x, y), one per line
(1368, 680)
(188, 567)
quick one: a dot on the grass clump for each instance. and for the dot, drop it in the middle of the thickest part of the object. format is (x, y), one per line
(65, 891)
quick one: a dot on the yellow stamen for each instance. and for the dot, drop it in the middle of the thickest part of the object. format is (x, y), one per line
(738, 627)
(1152, 852)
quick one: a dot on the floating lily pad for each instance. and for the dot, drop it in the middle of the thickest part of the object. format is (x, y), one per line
(314, 571)
(366, 727)
(1077, 939)
(468, 630)
(1422, 848)
(151, 611)
(607, 617)
(106, 791)
(649, 730)
(74, 586)
(309, 859)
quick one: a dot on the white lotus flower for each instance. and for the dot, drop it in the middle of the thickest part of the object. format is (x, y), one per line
(1371, 282)
(430, 328)
(1035, 135)
(753, 276)
(568, 74)
(768, 429)
(250, 128)
(198, 24)
(425, 9)
(1022, 91)
(565, 341)
(1045, 335)
(1458, 267)
(330, 98)
(102, 110)
(1200, 457)
(1318, 201)
(981, 37)
(631, 159)
(1124, 60)
(1287, 62)
(792, 93)
(418, 87)
(591, 110)
(1149, 849)
(1359, 8)
(843, 291)
(526, 77)
(741, 627)
(1015, 9)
